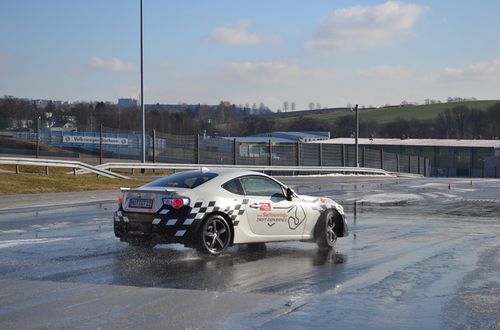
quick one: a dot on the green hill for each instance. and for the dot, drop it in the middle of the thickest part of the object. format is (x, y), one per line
(388, 114)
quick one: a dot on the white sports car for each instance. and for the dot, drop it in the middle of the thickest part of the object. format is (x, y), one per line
(212, 209)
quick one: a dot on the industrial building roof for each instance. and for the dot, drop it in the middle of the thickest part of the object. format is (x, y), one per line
(297, 136)
(417, 142)
(258, 139)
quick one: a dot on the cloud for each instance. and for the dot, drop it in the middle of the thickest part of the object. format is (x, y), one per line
(279, 72)
(488, 70)
(234, 36)
(388, 72)
(113, 65)
(366, 26)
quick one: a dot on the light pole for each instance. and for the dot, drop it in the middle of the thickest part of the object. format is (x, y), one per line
(38, 136)
(143, 116)
(357, 135)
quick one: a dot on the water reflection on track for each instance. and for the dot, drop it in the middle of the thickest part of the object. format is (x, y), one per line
(413, 250)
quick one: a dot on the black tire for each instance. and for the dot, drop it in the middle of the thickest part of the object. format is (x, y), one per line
(325, 230)
(214, 235)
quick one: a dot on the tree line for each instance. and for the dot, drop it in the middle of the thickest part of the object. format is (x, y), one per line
(458, 122)
(225, 119)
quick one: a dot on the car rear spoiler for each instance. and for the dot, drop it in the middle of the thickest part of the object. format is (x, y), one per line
(166, 191)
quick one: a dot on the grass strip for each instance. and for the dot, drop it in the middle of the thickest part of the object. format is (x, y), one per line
(34, 184)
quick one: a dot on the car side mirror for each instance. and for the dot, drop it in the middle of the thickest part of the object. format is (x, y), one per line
(289, 194)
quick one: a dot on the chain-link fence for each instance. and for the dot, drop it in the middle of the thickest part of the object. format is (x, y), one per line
(109, 144)
(169, 148)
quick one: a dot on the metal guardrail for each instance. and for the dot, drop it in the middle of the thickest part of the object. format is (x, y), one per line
(292, 169)
(105, 169)
(61, 163)
(406, 175)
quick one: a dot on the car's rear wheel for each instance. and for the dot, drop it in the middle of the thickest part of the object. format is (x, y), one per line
(325, 230)
(215, 235)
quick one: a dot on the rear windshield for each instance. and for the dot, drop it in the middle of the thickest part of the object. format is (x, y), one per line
(183, 180)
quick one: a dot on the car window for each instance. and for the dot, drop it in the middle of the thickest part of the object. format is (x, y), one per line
(234, 186)
(183, 180)
(261, 186)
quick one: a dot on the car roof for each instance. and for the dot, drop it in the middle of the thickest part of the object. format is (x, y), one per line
(226, 174)
(223, 175)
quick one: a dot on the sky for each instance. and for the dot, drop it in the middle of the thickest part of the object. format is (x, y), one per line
(331, 52)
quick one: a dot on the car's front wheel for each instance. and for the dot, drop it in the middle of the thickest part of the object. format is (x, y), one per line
(325, 230)
(215, 235)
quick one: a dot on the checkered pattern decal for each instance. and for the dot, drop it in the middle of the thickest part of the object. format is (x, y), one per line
(234, 211)
(120, 217)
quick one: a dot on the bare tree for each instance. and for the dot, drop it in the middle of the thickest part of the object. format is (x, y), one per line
(460, 115)
(285, 106)
(254, 108)
(292, 106)
(311, 105)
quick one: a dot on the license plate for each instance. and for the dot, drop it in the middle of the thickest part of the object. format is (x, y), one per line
(140, 203)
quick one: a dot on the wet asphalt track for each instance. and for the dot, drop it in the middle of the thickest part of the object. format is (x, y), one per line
(419, 255)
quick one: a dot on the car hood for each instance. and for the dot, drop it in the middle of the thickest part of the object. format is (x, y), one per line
(328, 202)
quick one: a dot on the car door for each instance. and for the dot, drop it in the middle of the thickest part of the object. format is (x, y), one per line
(268, 211)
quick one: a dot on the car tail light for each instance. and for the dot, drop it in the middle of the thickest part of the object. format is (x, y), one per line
(176, 203)
(120, 200)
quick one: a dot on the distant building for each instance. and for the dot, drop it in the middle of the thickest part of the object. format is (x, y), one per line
(258, 145)
(297, 136)
(178, 107)
(63, 126)
(492, 167)
(449, 158)
(258, 139)
(42, 104)
(127, 103)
